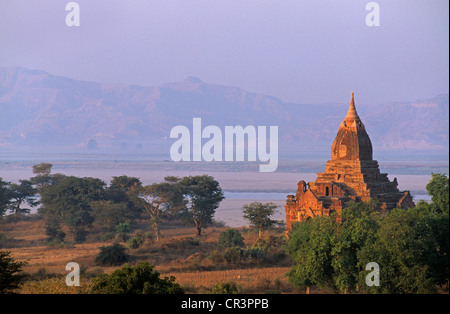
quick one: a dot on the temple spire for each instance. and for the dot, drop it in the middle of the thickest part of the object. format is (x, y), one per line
(352, 115)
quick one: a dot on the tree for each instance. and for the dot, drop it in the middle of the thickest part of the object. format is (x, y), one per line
(405, 249)
(43, 169)
(20, 194)
(326, 249)
(109, 214)
(70, 201)
(138, 279)
(152, 197)
(4, 196)
(231, 238)
(310, 245)
(125, 190)
(438, 189)
(43, 174)
(259, 215)
(203, 195)
(112, 255)
(10, 273)
(158, 198)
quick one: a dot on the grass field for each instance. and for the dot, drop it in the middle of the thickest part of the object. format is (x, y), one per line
(180, 254)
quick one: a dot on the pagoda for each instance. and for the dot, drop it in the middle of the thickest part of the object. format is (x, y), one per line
(351, 174)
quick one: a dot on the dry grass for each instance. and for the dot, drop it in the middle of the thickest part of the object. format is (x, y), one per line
(253, 280)
(180, 254)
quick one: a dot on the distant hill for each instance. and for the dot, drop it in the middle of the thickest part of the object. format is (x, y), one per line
(40, 111)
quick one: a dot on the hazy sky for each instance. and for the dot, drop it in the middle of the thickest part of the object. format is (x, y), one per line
(307, 51)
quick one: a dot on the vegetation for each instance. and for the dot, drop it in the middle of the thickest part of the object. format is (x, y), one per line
(10, 273)
(230, 238)
(203, 196)
(103, 227)
(139, 279)
(259, 215)
(228, 287)
(410, 247)
(112, 255)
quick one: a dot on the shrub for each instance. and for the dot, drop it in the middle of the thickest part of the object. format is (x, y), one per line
(10, 273)
(230, 238)
(135, 242)
(107, 236)
(229, 287)
(112, 255)
(140, 279)
(233, 255)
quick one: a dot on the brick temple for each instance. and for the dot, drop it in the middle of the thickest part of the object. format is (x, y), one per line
(351, 174)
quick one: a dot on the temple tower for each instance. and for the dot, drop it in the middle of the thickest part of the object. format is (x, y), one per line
(351, 174)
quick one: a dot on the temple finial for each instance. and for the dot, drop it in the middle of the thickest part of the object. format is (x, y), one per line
(352, 114)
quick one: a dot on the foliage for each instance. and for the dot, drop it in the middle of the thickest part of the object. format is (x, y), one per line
(403, 244)
(410, 247)
(4, 196)
(438, 188)
(203, 195)
(230, 238)
(135, 242)
(69, 201)
(112, 255)
(122, 194)
(228, 287)
(20, 194)
(259, 215)
(158, 198)
(10, 273)
(139, 279)
(109, 214)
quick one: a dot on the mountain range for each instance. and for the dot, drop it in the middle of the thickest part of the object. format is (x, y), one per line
(40, 111)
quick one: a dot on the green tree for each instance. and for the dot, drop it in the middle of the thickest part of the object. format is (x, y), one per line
(158, 198)
(109, 214)
(438, 189)
(310, 245)
(112, 255)
(69, 201)
(139, 279)
(403, 248)
(43, 175)
(228, 287)
(4, 197)
(124, 189)
(10, 273)
(260, 215)
(231, 238)
(326, 249)
(203, 195)
(358, 227)
(20, 194)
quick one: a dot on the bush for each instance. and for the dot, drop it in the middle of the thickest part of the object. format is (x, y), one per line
(112, 255)
(229, 287)
(140, 279)
(233, 255)
(107, 236)
(10, 273)
(230, 238)
(135, 242)
(122, 231)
